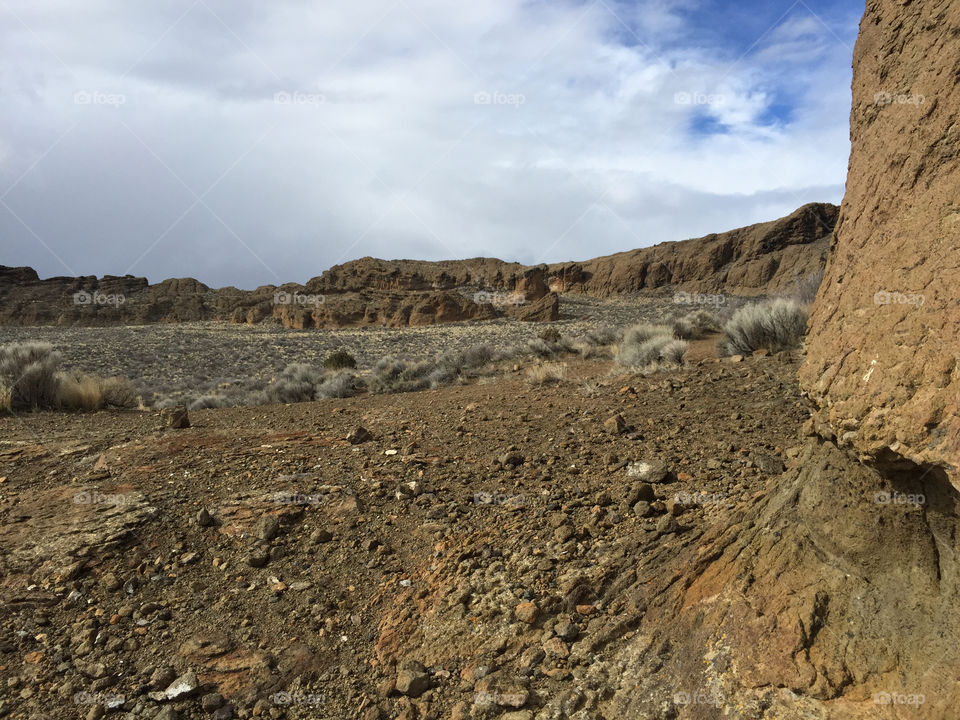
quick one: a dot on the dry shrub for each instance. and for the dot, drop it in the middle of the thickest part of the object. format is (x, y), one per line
(78, 391)
(776, 325)
(28, 374)
(545, 373)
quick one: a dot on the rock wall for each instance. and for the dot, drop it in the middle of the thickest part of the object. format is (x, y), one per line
(761, 259)
(884, 338)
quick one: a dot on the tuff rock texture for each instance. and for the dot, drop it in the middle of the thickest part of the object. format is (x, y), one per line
(884, 338)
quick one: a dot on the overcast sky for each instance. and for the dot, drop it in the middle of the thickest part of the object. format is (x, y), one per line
(257, 143)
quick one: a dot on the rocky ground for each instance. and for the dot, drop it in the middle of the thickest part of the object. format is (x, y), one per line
(188, 360)
(487, 550)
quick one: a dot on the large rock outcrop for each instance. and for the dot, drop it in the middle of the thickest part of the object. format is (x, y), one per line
(764, 259)
(768, 258)
(884, 340)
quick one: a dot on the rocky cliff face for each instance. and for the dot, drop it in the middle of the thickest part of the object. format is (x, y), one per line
(885, 333)
(761, 259)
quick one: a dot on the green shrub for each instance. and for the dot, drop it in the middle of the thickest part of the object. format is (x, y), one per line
(338, 360)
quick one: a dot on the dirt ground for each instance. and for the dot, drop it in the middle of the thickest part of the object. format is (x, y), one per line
(483, 554)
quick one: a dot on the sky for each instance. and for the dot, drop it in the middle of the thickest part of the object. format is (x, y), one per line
(249, 144)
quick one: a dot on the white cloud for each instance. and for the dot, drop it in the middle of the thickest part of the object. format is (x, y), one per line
(382, 148)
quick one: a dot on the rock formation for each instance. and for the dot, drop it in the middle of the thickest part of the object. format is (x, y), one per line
(768, 258)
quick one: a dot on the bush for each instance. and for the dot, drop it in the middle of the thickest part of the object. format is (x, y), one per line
(776, 325)
(807, 287)
(550, 335)
(393, 375)
(119, 392)
(598, 337)
(694, 325)
(658, 349)
(338, 360)
(549, 373)
(28, 375)
(78, 391)
(639, 334)
(341, 385)
(297, 383)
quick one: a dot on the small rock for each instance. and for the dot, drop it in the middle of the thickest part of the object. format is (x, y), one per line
(643, 509)
(162, 677)
(615, 425)
(211, 702)
(166, 713)
(359, 435)
(258, 557)
(321, 536)
(667, 524)
(527, 612)
(269, 527)
(736, 358)
(648, 471)
(175, 417)
(511, 459)
(413, 680)
(110, 582)
(204, 518)
(566, 630)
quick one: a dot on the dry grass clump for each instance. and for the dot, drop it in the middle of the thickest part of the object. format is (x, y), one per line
(30, 378)
(28, 375)
(775, 325)
(645, 346)
(545, 373)
(695, 325)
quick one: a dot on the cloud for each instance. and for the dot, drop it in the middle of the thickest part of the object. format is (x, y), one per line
(252, 144)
